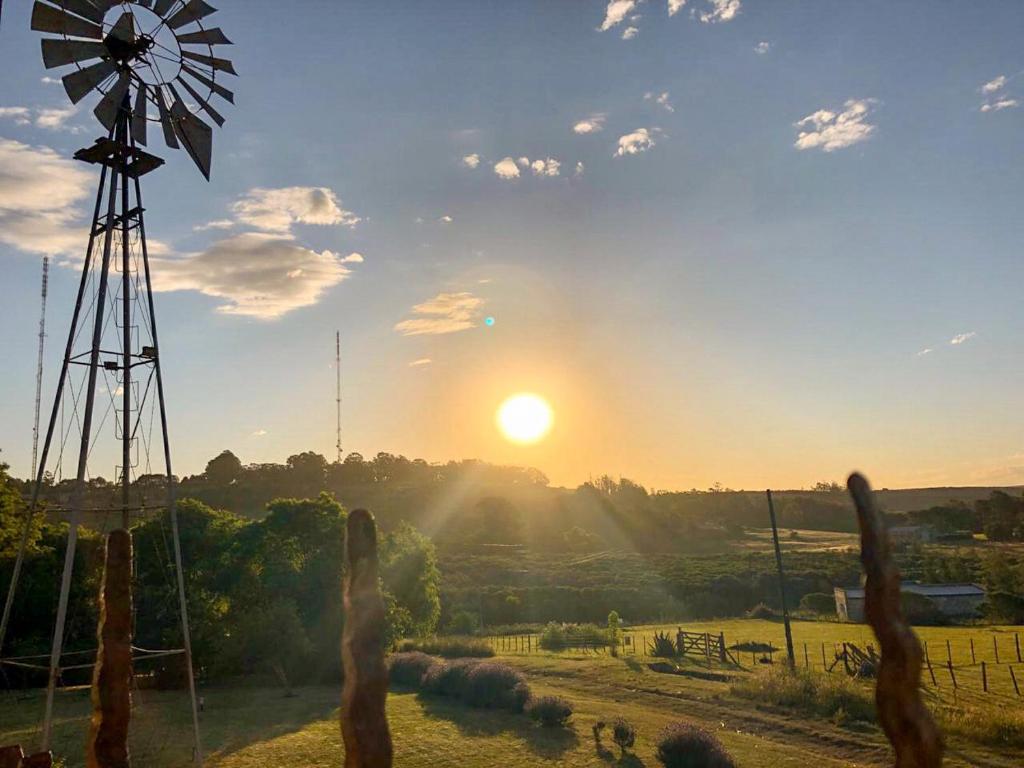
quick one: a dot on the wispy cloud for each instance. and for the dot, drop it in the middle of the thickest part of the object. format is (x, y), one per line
(445, 313)
(629, 33)
(547, 167)
(996, 98)
(763, 47)
(663, 100)
(675, 6)
(215, 224)
(993, 85)
(446, 219)
(616, 13)
(259, 433)
(999, 104)
(421, 362)
(829, 131)
(962, 338)
(471, 161)
(634, 143)
(923, 352)
(47, 118)
(580, 168)
(277, 210)
(720, 11)
(353, 258)
(507, 169)
(592, 124)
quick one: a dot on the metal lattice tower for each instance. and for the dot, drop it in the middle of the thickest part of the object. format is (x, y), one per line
(39, 364)
(337, 369)
(133, 54)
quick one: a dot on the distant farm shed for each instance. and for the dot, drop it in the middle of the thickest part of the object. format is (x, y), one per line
(953, 600)
(907, 534)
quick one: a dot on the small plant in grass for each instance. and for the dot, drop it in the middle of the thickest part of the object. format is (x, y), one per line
(408, 669)
(598, 729)
(550, 711)
(623, 734)
(682, 745)
(663, 647)
(497, 686)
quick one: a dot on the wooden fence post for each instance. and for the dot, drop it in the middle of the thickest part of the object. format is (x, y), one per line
(952, 676)
(807, 659)
(931, 672)
(949, 653)
(984, 677)
(1013, 677)
(995, 647)
(974, 659)
(1016, 641)
(824, 664)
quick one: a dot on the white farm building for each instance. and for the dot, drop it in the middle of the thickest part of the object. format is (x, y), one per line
(954, 600)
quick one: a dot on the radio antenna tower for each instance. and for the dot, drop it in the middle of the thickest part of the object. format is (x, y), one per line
(148, 61)
(337, 369)
(39, 365)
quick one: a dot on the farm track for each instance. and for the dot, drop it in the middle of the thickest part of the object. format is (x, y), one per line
(866, 747)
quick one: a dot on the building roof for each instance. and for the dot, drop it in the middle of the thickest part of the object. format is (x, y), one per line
(928, 590)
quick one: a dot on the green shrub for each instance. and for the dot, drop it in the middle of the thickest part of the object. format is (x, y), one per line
(682, 745)
(451, 647)
(449, 678)
(623, 734)
(558, 637)
(464, 623)
(820, 603)
(498, 686)
(408, 669)
(1004, 608)
(663, 647)
(760, 611)
(550, 711)
(809, 692)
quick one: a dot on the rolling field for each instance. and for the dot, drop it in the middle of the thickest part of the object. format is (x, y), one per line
(256, 727)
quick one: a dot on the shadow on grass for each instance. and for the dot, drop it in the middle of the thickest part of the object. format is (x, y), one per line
(549, 743)
(627, 760)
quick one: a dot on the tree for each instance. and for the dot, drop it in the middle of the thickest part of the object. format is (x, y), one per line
(1001, 516)
(614, 632)
(308, 472)
(408, 567)
(224, 469)
(271, 637)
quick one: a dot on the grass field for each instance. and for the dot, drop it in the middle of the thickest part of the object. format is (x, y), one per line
(258, 727)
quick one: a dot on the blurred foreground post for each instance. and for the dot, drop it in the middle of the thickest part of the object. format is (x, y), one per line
(364, 723)
(904, 717)
(782, 583)
(112, 676)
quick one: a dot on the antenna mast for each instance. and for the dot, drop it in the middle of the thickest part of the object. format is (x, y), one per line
(39, 364)
(337, 368)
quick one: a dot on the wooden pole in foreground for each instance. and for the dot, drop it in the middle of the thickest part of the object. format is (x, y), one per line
(782, 583)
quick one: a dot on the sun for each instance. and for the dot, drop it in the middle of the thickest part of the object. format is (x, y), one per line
(525, 418)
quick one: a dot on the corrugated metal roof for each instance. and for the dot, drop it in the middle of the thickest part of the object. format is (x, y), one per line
(928, 590)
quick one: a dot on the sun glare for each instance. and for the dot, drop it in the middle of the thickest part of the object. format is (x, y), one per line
(525, 418)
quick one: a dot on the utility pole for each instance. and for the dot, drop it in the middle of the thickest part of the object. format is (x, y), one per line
(39, 364)
(782, 583)
(337, 369)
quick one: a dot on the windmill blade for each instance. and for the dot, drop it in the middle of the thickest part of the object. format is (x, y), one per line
(144, 3)
(213, 36)
(217, 88)
(170, 139)
(203, 103)
(58, 52)
(83, 8)
(196, 136)
(139, 119)
(111, 104)
(124, 29)
(214, 63)
(161, 7)
(80, 82)
(194, 10)
(46, 18)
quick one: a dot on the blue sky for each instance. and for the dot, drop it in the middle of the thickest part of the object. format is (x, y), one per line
(733, 279)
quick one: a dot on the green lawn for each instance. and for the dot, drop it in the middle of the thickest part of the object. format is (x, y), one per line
(259, 727)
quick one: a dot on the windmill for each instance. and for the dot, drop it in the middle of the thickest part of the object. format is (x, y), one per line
(148, 61)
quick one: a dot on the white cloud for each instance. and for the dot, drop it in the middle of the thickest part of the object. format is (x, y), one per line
(50, 119)
(421, 362)
(276, 210)
(829, 131)
(259, 433)
(634, 143)
(629, 33)
(616, 13)
(445, 313)
(994, 85)
(215, 224)
(675, 6)
(524, 162)
(257, 274)
(925, 351)
(47, 80)
(353, 258)
(446, 219)
(720, 10)
(546, 167)
(471, 161)
(580, 168)
(507, 168)
(592, 124)
(763, 47)
(962, 338)
(1001, 104)
(20, 115)
(661, 99)
(39, 193)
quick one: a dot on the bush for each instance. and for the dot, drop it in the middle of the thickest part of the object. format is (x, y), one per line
(558, 637)
(450, 647)
(663, 646)
(623, 734)
(682, 745)
(820, 603)
(497, 686)
(550, 711)
(1004, 608)
(760, 611)
(464, 623)
(920, 610)
(408, 669)
(449, 678)
(809, 692)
